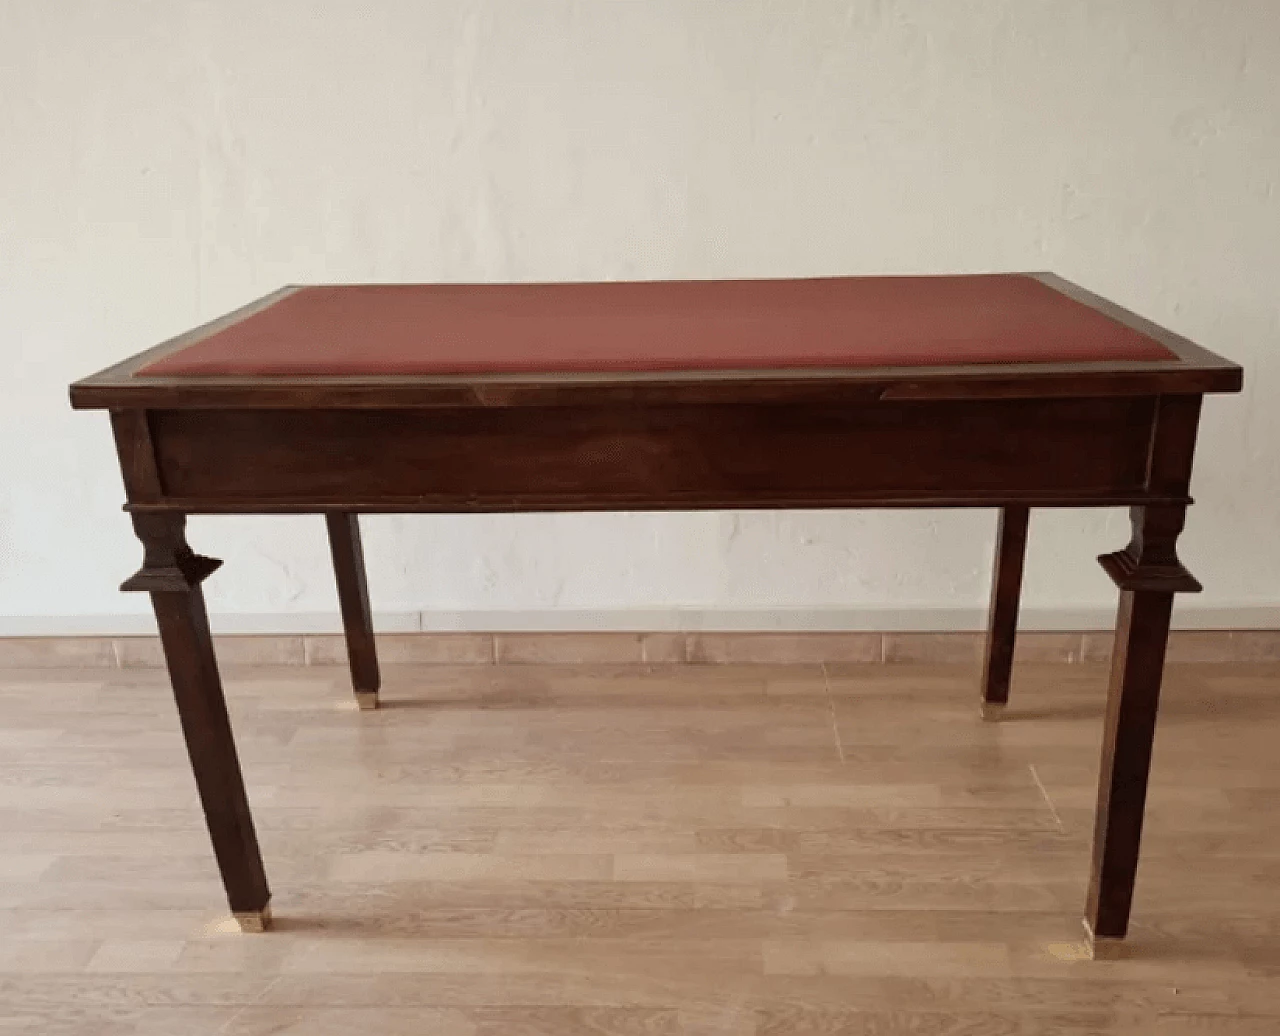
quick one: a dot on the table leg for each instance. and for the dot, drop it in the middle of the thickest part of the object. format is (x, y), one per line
(172, 574)
(1148, 573)
(353, 600)
(1002, 626)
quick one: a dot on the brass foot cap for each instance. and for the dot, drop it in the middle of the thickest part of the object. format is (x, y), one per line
(367, 700)
(992, 710)
(253, 921)
(1104, 948)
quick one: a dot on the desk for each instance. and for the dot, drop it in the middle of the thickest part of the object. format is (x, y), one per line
(1001, 391)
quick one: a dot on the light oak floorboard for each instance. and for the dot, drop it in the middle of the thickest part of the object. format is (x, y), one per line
(740, 850)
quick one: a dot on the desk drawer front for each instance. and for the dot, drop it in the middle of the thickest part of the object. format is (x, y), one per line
(570, 458)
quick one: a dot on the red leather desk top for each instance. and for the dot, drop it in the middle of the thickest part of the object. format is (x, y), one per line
(849, 322)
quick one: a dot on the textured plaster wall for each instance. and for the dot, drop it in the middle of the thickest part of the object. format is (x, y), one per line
(162, 162)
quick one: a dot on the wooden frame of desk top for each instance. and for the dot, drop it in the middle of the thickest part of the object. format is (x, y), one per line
(1005, 436)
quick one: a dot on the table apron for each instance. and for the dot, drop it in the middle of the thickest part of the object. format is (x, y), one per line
(1067, 451)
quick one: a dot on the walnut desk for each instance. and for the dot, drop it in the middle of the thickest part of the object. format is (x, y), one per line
(1001, 391)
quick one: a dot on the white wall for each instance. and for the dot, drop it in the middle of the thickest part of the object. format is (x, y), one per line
(162, 162)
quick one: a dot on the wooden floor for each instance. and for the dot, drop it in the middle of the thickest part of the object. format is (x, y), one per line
(664, 850)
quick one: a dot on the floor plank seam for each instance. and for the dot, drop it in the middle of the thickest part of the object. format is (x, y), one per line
(1047, 800)
(256, 1001)
(831, 709)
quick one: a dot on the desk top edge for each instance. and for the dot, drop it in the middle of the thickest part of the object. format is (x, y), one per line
(1194, 370)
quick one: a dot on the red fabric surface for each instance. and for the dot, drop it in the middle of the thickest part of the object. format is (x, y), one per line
(660, 326)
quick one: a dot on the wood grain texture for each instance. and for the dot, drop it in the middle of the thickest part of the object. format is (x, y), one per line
(136, 450)
(632, 853)
(594, 458)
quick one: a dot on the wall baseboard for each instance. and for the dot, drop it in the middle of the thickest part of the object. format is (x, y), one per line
(635, 648)
(648, 620)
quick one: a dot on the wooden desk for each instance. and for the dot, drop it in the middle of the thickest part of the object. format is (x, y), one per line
(1009, 391)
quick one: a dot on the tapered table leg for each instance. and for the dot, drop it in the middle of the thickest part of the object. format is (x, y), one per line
(1148, 573)
(1142, 632)
(1002, 625)
(172, 574)
(353, 600)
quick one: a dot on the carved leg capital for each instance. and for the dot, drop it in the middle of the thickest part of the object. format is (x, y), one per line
(1150, 560)
(168, 562)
